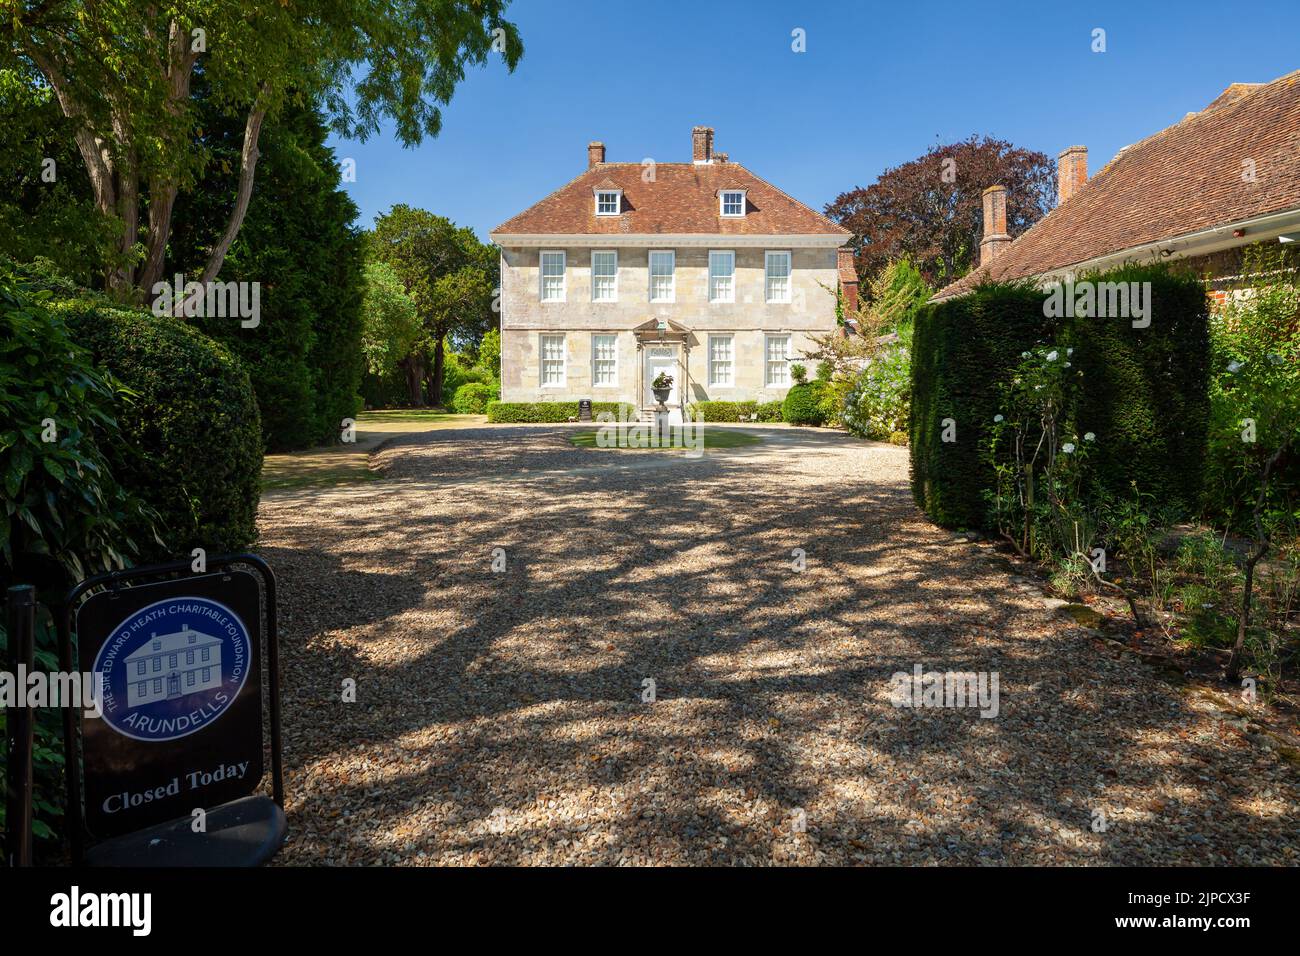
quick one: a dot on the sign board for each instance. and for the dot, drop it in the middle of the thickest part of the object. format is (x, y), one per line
(584, 410)
(181, 726)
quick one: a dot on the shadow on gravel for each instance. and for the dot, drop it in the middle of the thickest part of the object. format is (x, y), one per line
(500, 715)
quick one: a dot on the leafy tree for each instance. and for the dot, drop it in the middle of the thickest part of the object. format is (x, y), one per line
(451, 278)
(46, 205)
(896, 294)
(124, 71)
(931, 208)
(489, 352)
(392, 327)
(299, 244)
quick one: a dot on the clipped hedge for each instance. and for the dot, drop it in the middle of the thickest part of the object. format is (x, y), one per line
(1145, 393)
(552, 412)
(805, 404)
(192, 430)
(711, 411)
(962, 349)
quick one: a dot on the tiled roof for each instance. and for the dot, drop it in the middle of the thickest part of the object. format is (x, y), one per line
(1183, 179)
(683, 198)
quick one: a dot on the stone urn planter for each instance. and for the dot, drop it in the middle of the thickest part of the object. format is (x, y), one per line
(662, 387)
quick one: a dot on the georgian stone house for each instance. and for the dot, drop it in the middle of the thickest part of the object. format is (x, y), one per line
(700, 269)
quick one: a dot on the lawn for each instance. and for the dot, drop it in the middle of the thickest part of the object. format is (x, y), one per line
(350, 463)
(713, 438)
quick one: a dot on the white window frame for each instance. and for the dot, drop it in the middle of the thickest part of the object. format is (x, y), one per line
(604, 252)
(542, 360)
(672, 274)
(541, 275)
(618, 201)
(613, 336)
(768, 380)
(767, 276)
(722, 203)
(730, 380)
(731, 292)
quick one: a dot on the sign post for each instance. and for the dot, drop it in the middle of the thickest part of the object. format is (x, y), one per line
(173, 753)
(584, 409)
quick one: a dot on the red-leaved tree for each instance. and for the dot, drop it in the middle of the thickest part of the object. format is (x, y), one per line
(931, 209)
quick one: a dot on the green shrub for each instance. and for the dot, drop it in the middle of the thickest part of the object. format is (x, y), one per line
(1144, 391)
(1256, 376)
(551, 412)
(879, 398)
(66, 516)
(193, 445)
(472, 398)
(803, 404)
(457, 372)
(769, 411)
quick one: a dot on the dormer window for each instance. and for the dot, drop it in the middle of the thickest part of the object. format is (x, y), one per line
(733, 202)
(609, 202)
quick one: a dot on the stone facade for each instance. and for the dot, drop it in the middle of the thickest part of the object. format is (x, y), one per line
(749, 320)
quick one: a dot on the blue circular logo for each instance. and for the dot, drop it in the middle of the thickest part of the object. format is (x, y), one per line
(173, 668)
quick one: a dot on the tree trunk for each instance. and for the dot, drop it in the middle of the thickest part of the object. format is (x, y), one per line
(161, 200)
(247, 166)
(413, 368)
(439, 366)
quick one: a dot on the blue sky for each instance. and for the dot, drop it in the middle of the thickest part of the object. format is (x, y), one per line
(878, 84)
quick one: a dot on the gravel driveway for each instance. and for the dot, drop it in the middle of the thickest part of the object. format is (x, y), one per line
(505, 716)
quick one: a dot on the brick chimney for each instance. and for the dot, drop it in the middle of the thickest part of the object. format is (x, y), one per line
(702, 144)
(995, 224)
(719, 157)
(1071, 172)
(848, 278)
(595, 154)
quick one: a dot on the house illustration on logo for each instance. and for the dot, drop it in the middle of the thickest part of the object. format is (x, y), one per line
(172, 665)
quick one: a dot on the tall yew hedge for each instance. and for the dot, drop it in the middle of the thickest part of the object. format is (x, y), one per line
(961, 349)
(1145, 393)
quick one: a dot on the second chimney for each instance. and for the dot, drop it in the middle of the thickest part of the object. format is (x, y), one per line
(1071, 172)
(702, 144)
(995, 224)
(595, 154)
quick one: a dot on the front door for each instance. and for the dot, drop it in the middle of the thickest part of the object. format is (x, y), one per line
(173, 686)
(659, 359)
